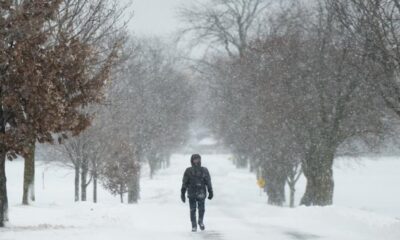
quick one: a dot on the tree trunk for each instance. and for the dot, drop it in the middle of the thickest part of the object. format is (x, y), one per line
(292, 195)
(3, 178)
(29, 175)
(121, 193)
(319, 188)
(95, 186)
(153, 166)
(275, 180)
(134, 189)
(275, 186)
(320, 185)
(76, 182)
(3, 189)
(253, 166)
(84, 173)
(134, 181)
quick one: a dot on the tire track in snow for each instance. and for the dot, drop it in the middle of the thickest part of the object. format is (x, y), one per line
(40, 227)
(284, 231)
(209, 235)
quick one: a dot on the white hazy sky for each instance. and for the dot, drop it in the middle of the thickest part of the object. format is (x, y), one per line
(155, 17)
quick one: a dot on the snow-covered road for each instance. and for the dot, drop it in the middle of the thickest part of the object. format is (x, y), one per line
(237, 211)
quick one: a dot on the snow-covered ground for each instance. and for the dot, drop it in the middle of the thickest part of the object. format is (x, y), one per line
(367, 207)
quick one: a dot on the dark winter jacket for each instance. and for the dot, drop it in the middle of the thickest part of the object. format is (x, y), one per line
(196, 181)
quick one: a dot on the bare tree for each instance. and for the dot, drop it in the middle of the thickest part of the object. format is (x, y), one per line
(227, 23)
(374, 26)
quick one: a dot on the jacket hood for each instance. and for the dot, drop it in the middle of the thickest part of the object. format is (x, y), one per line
(195, 156)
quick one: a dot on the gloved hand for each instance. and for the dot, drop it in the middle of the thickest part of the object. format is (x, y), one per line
(210, 195)
(183, 197)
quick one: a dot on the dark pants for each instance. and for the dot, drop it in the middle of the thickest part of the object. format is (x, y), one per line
(194, 204)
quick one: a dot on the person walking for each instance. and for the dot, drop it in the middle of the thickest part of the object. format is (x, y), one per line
(196, 182)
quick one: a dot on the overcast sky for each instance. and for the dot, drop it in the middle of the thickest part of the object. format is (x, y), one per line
(155, 17)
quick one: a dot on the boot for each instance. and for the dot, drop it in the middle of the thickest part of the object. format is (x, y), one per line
(194, 227)
(202, 227)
